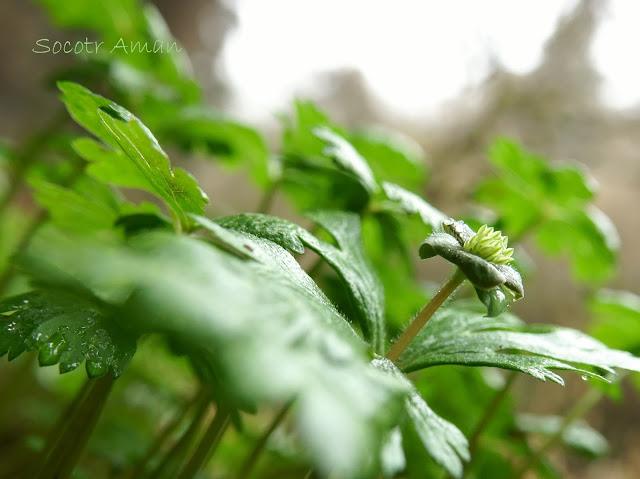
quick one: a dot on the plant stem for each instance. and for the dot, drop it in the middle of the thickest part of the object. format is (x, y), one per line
(163, 436)
(262, 442)
(423, 316)
(169, 464)
(582, 407)
(208, 444)
(66, 446)
(266, 202)
(490, 412)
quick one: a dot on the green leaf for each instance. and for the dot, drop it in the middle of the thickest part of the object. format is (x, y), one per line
(110, 166)
(89, 206)
(587, 237)
(298, 137)
(391, 155)
(65, 329)
(411, 204)
(578, 435)
(392, 455)
(553, 202)
(347, 157)
(462, 336)
(442, 440)
(120, 129)
(616, 319)
(200, 130)
(260, 331)
(307, 173)
(347, 258)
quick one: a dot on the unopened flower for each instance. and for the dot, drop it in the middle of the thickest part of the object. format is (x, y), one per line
(484, 259)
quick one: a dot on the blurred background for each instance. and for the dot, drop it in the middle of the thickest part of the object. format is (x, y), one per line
(560, 77)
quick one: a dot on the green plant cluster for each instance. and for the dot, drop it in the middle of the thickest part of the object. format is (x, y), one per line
(220, 325)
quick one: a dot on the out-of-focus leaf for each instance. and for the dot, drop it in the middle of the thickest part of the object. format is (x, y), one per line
(88, 206)
(616, 319)
(65, 329)
(392, 455)
(298, 137)
(391, 156)
(386, 243)
(200, 130)
(120, 129)
(133, 35)
(442, 440)
(347, 157)
(529, 194)
(462, 336)
(347, 258)
(411, 204)
(311, 178)
(264, 335)
(578, 435)
(589, 239)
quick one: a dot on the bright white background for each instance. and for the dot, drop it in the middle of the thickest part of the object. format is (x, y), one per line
(414, 54)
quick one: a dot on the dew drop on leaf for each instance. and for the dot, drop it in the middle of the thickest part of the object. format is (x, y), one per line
(96, 368)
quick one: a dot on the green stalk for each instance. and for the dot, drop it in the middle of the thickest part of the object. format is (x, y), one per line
(582, 407)
(65, 449)
(490, 412)
(164, 435)
(208, 444)
(257, 450)
(423, 316)
(169, 465)
(266, 202)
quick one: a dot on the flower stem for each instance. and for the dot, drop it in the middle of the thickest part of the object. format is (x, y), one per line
(490, 413)
(582, 407)
(423, 316)
(266, 202)
(262, 442)
(170, 463)
(65, 447)
(208, 444)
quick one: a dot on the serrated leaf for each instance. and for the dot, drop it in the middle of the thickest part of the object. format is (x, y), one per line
(442, 440)
(412, 204)
(265, 336)
(578, 435)
(120, 129)
(460, 336)
(347, 259)
(65, 329)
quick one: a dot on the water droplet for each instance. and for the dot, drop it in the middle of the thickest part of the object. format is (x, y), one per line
(50, 352)
(25, 301)
(96, 368)
(66, 367)
(585, 378)
(11, 326)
